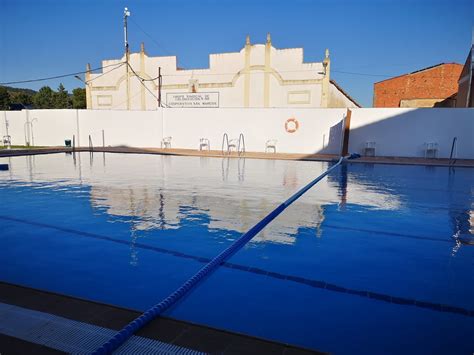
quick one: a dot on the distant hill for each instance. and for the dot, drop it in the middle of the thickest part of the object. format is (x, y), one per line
(12, 90)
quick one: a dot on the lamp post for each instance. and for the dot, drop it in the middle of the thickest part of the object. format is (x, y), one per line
(126, 15)
(80, 79)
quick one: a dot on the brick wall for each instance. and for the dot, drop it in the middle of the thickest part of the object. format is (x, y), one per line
(438, 82)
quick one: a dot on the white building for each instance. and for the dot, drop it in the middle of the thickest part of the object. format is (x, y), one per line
(257, 76)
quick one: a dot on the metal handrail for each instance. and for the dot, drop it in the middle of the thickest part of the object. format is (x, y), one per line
(73, 142)
(32, 132)
(26, 129)
(225, 139)
(241, 139)
(91, 147)
(454, 151)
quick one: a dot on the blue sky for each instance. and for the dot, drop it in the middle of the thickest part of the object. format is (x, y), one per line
(384, 37)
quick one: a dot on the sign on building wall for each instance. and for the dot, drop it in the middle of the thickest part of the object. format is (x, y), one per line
(201, 99)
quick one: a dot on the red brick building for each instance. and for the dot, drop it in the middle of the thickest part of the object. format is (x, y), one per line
(421, 88)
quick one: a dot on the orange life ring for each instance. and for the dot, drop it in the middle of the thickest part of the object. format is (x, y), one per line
(292, 125)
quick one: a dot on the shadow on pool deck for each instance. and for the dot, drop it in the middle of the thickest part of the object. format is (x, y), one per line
(184, 334)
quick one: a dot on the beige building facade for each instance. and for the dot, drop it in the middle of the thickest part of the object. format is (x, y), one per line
(259, 75)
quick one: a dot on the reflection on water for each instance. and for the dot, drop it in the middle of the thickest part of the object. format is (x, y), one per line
(342, 188)
(152, 189)
(463, 226)
(162, 192)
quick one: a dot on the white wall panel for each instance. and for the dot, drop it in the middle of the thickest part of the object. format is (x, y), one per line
(396, 131)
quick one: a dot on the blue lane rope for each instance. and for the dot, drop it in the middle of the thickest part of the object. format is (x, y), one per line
(122, 336)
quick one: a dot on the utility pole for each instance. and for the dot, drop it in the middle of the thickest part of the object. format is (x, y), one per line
(159, 86)
(126, 14)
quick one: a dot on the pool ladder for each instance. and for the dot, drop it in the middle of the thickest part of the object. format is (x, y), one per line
(91, 146)
(454, 152)
(91, 150)
(226, 144)
(241, 146)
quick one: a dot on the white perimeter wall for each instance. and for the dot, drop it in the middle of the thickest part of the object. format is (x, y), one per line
(50, 127)
(16, 126)
(404, 132)
(121, 128)
(396, 131)
(186, 126)
(53, 127)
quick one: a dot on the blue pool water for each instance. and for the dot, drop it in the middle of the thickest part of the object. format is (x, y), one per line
(367, 262)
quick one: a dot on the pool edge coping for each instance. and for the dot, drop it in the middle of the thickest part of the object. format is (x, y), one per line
(417, 161)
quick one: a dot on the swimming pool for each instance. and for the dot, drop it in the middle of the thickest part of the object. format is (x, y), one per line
(364, 263)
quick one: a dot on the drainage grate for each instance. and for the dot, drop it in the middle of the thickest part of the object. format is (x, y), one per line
(72, 336)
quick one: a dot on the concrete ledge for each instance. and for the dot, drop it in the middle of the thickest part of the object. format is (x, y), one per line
(465, 163)
(180, 333)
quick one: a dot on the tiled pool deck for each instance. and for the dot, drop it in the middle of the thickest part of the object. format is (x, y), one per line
(166, 330)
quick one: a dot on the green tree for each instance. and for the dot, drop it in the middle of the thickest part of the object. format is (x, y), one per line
(79, 98)
(22, 98)
(61, 98)
(44, 98)
(4, 99)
